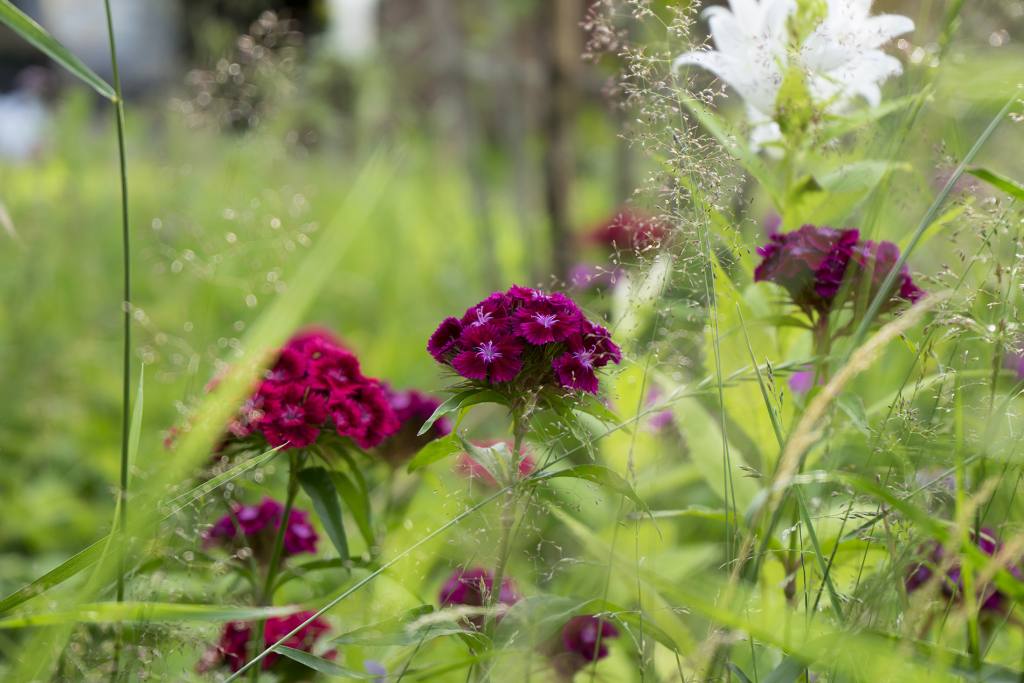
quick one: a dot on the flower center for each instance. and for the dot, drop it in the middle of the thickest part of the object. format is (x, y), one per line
(291, 413)
(482, 317)
(585, 357)
(545, 321)
(488, 352)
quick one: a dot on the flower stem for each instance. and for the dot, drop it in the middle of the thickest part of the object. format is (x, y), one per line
(508, 517)
(267, 594)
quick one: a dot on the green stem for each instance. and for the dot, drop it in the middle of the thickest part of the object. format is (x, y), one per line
(267, 594)
(126, 298)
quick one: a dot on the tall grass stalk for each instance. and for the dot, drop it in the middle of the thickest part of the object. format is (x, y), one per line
(126, 306)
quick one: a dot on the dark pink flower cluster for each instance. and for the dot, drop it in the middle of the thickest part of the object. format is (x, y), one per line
(412, 408)
(473, 587)
(933, 559)
(812, 262)
(231, 651)
(630, 229)
(525, 334)
(315, 384)
(256, 526)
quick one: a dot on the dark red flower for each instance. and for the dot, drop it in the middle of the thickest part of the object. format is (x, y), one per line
(588, 636)
(630, 229)
(231, 650)
(292, 415)
(878, 260)
(363, 413)
(809, 263)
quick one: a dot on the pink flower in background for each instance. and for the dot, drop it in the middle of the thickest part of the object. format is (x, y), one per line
(315, 384)
(256, 526)
(630, 229)
(812, 263)
(588, 636)
(525, 334)
(231, 650)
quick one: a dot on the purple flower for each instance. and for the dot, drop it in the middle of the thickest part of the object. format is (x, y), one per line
(812, 262)
(802, 381)
(809, 263)
(588, 636)
(878, 259)
(445, 339)
(231, 651)
(491, 354)
(629, 229)
(256, 526)
(527, 333)
(933, 558)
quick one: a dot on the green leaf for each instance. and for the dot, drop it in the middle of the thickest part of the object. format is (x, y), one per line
(357, 503)
(316, 482)
(23, 25)
(463, 399)
(324, 666)
(135, 432)
(1000, 182)
(438, 449)
(496, 459)
(602, 476)
(143, 612)
(789, 671)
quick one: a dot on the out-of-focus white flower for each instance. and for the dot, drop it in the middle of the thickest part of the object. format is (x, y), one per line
(840, 58)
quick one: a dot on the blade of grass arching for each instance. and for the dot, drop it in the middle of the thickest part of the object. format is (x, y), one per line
(887, 284)
(268, 332)
(24, 26)
(805, 516)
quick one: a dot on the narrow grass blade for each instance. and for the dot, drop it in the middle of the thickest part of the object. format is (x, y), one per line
(23, 25)
(1000, 182)
(119, 612)
(317, 484)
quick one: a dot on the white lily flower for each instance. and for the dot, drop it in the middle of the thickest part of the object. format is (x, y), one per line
(841, 58)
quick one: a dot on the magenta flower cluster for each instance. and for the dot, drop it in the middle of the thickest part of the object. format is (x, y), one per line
(316, 384)
(231, 651)
(525, 334)
(934, 559)
(811, 264)
(256, 526)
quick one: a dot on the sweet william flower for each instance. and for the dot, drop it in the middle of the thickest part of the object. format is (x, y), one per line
(830, 48)
(527, 336)
(256, 526)
(583, 640)
(813, 263)
(231, 652)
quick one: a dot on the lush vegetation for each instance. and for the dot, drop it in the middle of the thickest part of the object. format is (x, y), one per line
(803, 466)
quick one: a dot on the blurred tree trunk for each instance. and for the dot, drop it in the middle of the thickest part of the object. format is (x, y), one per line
(563, 55)
(462, 126)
